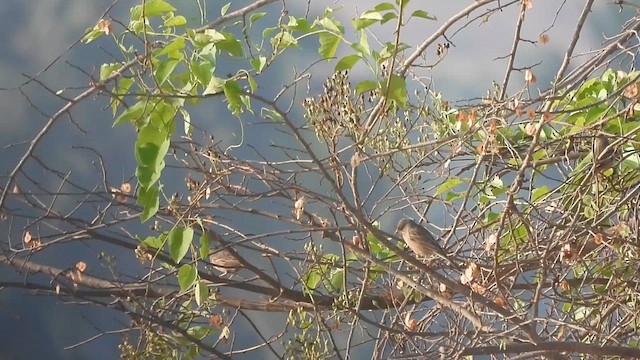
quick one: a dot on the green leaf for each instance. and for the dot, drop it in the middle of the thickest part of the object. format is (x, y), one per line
(225, 8)
(366, 85)
(204, 245)
(150, 149)
(232, 92)
(151, 8)
(449, 184)
(252, 83)
(362, 47)
(384, 7)
(283, 40)
(332, 25)
(187, 276)
(202, 71)
(496, 182)
(214, 86)
(398, 90)
(107, 69)
(360, 24)
(149, 199)
(311, 280)
(337, 280)
(423, 14)
(371, 15)
(255, 17)
(91, 34)
(175, 21)
(259, 64)
(229, 44)
(179, 242)
(164, 70)
(347, 62)
(202, 293)
(328, 45)
(539, 193)
(175, 45)
(301, 25)
(154, 242)
(133, 112)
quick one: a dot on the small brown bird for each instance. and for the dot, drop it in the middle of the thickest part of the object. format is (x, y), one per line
(604, 155)
(419, 239)
(223, 261)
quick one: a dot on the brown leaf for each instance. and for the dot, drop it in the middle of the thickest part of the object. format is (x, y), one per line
(531, 113)
(544, 39)
(125, 188)
(529, 77)
(630, 91)
(355, 160)
(105, 26)
(411, 323)
(598, 239)
(27, 237)
(298, 208)
(356, 241)
(490, 242)
(81, 266)
(500, 301)
(216, 321)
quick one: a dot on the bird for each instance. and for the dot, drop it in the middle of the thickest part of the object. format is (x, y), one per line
(419, 239)
(225, 262)
(604, 155)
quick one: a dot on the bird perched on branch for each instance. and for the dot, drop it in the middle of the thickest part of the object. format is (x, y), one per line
(225, 262)
(604, 155)
(419, 239)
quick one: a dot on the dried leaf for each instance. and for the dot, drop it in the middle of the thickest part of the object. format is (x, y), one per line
(569, 253)
(105, 26)
(479, 289)
(27, 237)
(490, 242)
(529, 77)
(531, 113)
(598, 239)
(630, 91)
(125, 188)
(355, 160)
(410, 323)
(356, 241)
(298, 208)
(216, 321)
(544, 39)
(81, 266)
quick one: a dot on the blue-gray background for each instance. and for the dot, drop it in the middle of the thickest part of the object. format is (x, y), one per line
(35, 33)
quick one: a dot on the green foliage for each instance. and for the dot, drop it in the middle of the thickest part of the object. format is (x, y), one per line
(179, 242)
(181, 67)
